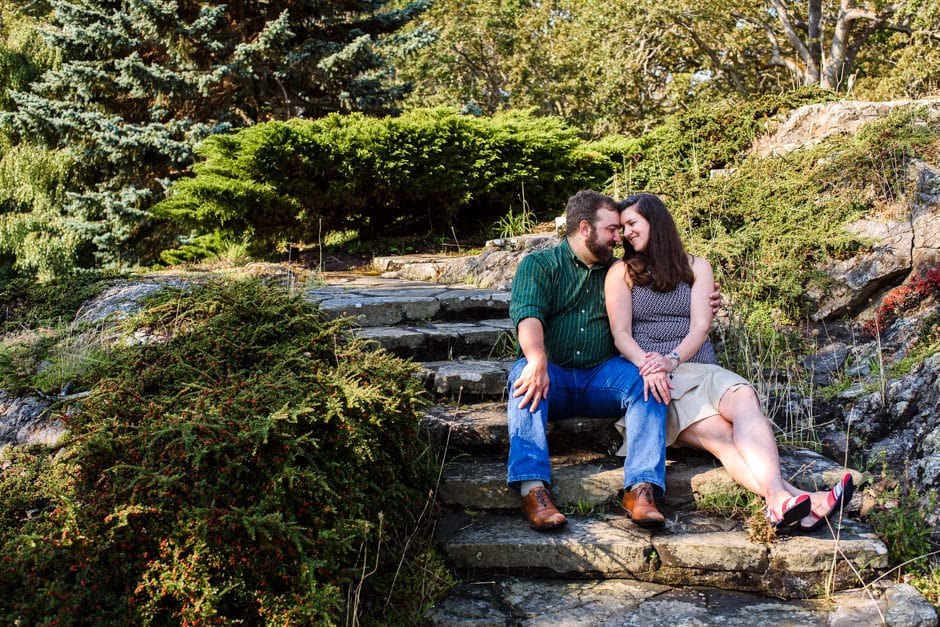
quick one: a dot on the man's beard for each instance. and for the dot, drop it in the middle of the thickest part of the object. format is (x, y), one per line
(603, 253)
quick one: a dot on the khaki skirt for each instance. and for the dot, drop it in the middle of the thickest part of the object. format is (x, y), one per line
(698, 389)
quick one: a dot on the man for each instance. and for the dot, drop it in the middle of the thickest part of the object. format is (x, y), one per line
(570, 366)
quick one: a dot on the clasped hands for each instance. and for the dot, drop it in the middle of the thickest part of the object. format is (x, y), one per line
(655, 372)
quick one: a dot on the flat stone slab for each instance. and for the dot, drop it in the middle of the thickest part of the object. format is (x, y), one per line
(579, 480)
(475, 378)
(467, 427)
(591, 478)
(691, 550)
(375, 301)
(481, 483)
(442, 340)
(477, 427)
(617, 602)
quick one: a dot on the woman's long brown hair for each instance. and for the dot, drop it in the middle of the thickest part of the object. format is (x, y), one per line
(664, 264)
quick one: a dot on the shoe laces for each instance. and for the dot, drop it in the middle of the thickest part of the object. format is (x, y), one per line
(542, 497)
(644, 493)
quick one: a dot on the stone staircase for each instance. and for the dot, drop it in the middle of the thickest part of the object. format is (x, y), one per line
(601, 569)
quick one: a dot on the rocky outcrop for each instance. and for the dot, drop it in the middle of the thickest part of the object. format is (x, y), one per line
(855, 280)
(810, 124)
(895, 250)
(898, 427)
(924, 219)
(25, 421)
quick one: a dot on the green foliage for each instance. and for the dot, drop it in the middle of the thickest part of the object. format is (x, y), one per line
(51, 362)
(23, 54)
(731, 502)
(768, 223)
(623, 66)
(291, 181)
(926, 344)
(908, 63)
(514, 224)
(705, 137)
(27, 491)
(36, 238)
(31, 305)
(900, 520)
(19, 361)
(928, 584)
(197, 247)
(250, 469)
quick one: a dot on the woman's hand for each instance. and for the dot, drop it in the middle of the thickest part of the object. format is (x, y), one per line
(656, 362)
(658, 384)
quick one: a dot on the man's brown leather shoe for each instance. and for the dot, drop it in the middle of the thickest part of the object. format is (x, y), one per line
(641, 506)
(540, 511)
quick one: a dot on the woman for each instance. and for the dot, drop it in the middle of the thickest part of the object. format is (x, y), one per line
(657, 302)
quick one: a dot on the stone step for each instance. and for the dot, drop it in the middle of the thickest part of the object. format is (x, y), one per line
(584, 480)
(480, 427)
(590, 479)
(468, 378)
(692, 550)
(524, 602)
(376, 302)
(429, 341)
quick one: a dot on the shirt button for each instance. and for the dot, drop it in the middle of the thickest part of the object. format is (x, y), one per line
(582, 329)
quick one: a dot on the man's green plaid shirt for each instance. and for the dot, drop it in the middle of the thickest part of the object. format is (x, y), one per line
(557, 288)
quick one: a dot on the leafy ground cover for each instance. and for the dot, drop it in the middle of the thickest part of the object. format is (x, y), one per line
(257, 468)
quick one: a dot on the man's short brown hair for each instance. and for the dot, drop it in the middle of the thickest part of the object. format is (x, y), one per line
(584, 206)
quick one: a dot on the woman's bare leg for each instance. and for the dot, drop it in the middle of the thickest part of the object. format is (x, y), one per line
(714, 434)
(755, 439)
(741, 438)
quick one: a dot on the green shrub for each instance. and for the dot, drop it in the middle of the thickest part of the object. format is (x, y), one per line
(36, 235)
(429, 168)
(28, 304)
(695, 141)
(247, 470)
(900, 519)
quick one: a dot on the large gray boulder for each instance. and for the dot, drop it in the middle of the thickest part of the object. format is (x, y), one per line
(898, 249)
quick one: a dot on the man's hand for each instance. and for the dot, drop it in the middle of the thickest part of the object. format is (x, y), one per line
(714, 300)
(532, 384)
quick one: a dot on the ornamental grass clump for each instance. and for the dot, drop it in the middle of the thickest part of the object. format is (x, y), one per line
(235, 473)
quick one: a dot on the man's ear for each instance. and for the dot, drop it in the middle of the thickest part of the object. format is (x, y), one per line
(584, 228)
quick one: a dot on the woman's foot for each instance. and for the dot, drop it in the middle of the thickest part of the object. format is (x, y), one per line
(791, 511)
(840, 493)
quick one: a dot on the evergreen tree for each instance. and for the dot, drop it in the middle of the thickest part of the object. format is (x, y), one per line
(141, 82)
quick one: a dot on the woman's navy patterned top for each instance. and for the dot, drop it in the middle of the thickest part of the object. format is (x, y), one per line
(661, 320)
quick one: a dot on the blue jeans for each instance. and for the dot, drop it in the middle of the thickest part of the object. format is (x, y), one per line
(613, 388)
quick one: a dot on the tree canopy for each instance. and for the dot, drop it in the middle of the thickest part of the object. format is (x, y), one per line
(618, 65)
